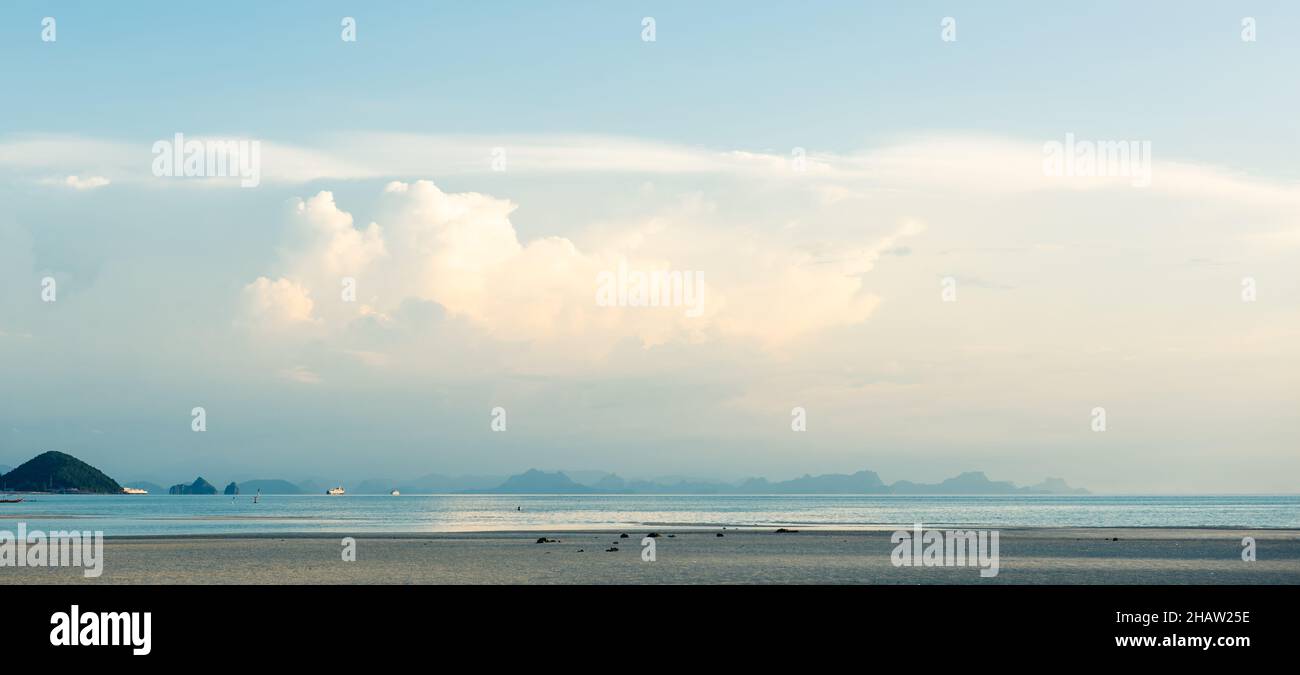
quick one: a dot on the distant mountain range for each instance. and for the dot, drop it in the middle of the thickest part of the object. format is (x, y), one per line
(534, 482)
(56, 471)
(862, 482)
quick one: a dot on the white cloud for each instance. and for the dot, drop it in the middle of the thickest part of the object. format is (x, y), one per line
(341, 249)
(80, 183)
(301, 375)
(280, 301)
(461, 251)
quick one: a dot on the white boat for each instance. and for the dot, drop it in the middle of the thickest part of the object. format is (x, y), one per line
(396, 493)
(134, 491)
(335, 490)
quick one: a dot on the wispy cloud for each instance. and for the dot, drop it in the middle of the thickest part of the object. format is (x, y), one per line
(81, 183)
(953, 163)
(301, 375)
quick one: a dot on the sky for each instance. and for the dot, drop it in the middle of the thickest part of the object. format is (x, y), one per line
(864, 190)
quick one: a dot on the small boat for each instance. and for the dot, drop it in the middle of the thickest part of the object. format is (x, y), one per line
(11, 501)
(335, 490)
(396, 493)
(134, 491)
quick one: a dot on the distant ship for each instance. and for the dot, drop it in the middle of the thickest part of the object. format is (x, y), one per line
(396, 493)
(335, 490)
(134, 491)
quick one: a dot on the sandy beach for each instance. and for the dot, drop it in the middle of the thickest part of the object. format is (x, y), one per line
(1027, 556)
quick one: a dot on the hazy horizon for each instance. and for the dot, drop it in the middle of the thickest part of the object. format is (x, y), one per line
(590, 476)
(886, 257)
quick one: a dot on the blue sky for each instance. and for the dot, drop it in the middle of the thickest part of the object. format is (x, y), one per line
(724, 74)
(924, 164)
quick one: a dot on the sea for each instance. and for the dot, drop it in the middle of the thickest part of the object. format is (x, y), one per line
(135, 515)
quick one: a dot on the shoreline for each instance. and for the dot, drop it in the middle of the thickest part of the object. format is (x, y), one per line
(707, 529)
(32, 523)
(1031, 556)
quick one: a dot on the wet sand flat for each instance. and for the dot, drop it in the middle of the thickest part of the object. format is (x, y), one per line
(1027, 556)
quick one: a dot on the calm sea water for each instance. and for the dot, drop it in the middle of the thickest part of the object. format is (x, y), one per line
(165, 514)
